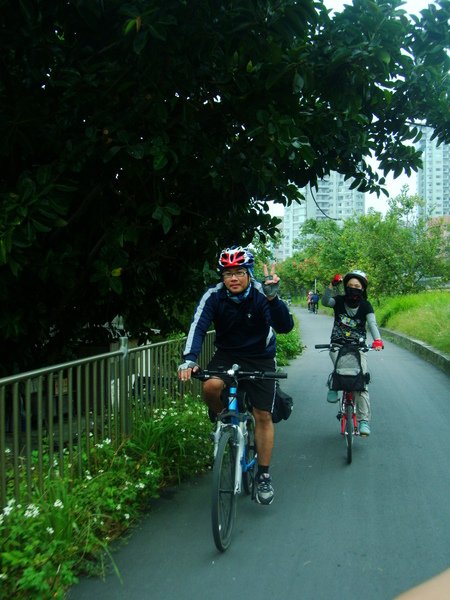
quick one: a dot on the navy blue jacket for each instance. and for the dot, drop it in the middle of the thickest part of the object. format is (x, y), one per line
(246, 329)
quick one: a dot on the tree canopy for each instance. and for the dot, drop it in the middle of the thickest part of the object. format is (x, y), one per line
(400, 253)
(139, 137)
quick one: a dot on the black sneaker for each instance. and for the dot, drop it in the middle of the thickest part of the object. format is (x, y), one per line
(264, 489)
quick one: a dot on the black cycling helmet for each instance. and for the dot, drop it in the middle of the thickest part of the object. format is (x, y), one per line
(360, 276)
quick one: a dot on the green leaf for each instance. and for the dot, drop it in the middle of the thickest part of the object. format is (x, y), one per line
(298, 83)
(159, 161)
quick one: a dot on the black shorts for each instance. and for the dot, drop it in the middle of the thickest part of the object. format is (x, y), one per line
(260, 392)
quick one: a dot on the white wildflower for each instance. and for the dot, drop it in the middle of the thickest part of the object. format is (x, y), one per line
(50, 530)
(31, 512)
(58, 504)
(127, 516)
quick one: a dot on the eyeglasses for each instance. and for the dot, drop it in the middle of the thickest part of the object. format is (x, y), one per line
(230, 274)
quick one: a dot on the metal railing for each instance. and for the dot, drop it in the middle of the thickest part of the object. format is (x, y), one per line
(63, 410)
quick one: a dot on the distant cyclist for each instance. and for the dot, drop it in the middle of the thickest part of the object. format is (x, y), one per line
(315, 302)
(245, 314)
(352, 313)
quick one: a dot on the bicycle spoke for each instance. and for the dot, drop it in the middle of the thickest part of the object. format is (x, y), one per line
(223, 506)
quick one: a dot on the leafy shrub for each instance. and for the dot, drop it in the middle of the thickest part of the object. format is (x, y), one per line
(288, 345)
(63, 531)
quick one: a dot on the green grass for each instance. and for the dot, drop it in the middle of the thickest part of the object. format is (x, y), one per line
(424, 316)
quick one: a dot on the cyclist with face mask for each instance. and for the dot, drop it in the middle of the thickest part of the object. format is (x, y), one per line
(352, 314)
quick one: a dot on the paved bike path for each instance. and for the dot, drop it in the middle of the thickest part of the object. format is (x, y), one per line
(370, 529)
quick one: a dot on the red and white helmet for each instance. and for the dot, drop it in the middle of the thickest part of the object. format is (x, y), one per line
(236, 256)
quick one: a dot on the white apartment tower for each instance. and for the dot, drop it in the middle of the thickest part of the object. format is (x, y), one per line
(333, 198)
(433, 181)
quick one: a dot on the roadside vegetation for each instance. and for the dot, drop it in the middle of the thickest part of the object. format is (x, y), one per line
(423, 316)
(51, 538)
(402, 253)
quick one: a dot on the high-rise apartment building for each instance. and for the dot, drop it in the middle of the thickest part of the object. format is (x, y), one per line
(433, 181)
(333, 199)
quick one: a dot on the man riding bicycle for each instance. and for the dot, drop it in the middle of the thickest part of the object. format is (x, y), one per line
(352, 312)
(246, 314)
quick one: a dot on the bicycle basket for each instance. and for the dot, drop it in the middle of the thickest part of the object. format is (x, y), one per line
(347, 374)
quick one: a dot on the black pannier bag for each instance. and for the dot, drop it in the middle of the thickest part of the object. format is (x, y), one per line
(348, 375)
(282, 406)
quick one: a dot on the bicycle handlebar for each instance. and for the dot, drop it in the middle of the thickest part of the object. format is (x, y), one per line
(333, 347)
(236, 373)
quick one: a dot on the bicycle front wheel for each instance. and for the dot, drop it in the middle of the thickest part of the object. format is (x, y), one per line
(223, 505)
(349, 431)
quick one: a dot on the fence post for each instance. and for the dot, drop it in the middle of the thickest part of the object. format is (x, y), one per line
(124, 388)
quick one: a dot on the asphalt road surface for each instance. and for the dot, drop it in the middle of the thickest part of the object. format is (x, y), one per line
(368, 530)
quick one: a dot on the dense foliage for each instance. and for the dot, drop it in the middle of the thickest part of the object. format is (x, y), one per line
(399, 252)
(63, 531)
(139, 137)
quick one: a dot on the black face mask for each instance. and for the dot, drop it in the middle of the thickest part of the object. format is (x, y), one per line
(353, 296)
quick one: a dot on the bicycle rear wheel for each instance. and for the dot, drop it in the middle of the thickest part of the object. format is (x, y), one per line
(248, 477)
(349, 431)
(223, 501)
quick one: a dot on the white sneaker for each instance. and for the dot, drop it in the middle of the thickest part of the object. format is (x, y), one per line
(264, 490)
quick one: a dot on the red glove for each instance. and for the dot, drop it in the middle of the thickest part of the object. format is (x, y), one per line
(336, 279)
(377, 344)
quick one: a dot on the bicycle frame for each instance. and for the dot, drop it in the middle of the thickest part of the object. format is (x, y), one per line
(347, 406)
(345, 401)
(238, 422)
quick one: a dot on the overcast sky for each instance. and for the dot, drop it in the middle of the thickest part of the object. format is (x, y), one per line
(393, 185)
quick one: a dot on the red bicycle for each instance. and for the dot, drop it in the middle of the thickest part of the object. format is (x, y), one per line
(347, 406)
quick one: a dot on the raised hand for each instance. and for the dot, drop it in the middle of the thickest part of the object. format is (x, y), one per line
(271, 285)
